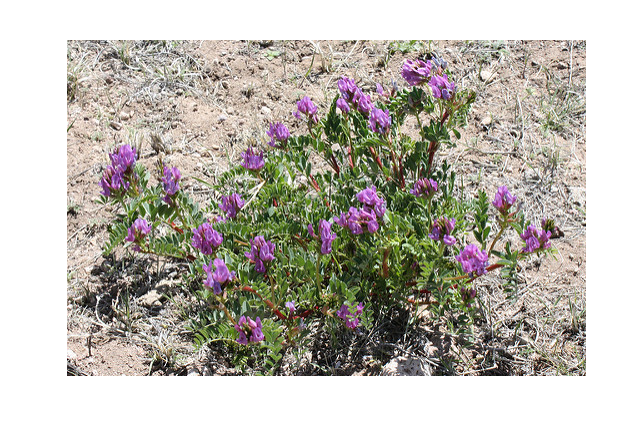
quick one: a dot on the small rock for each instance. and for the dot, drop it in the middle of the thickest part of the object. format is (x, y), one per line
(222, 118)
(230, 111)
(193, 372)
(174, 124)
(265, 110)
(577, 195)
(151, 299)
(154, 296)
(405, 366)
(124, 115)
(71, 354)
(531, 174)
(487, 120)
(115, 125)
(486, 76)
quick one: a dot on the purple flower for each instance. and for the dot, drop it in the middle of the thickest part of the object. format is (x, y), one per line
(441, 87)
(473, 260)
(416, 72)
(124, 158)
(291, 306)
(170, 183)
(352, 95)
(357, 220)
(424, 188)
(350, 314)
(251, 161)
(246, 326)
(343, 105)
(347, 88)
(363, 102)
(137, 232)
(369, 197)
(277, 132)
(261, 252)
(118, 177)
(467, 295)
(221, 275)
(438, 64)
(306, 107)
(112, 181)
(441, 231)
(535, 239)
(231, 204)
(504, 200)
(205, 238)
(326, 236)
(379, 121)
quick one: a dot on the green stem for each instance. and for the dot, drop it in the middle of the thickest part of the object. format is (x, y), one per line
(273, 292)
(225, 310)
(318, 274)
(495, 240)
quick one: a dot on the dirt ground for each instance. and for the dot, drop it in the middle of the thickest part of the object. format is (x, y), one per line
(207, 100)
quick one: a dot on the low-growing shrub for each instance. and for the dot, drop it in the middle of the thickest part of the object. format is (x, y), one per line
(285, 244)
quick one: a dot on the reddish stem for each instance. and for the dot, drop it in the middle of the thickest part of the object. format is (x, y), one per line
(275, 310)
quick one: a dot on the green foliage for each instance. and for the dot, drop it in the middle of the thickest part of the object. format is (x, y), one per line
(481, 216)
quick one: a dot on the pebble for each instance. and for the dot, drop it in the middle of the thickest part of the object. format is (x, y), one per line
(486, 76)
(115, 125)
(222, 118)
(405, 366)
(265, 110)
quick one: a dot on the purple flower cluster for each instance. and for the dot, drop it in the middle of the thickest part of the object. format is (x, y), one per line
(306, 107)
(535, 239)
(473, 260)
(416, 72)
(248, 327)
(350, 314)
(137, 232)
(441, 87)
(352, 96)
(261, 252)
(278, 132)
(366, 217)
(170, 182)
(379, 121)
(291, 306)
(205, 238)
(504, 200)
(326, 236)
(231, 204)
(370, 198)
(221, 275)
(441, 231)
(467, 295)
(424, 188)
(119, 176)
(419, 72)
(251, 161)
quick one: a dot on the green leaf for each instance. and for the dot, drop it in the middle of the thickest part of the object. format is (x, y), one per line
(117, 233)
